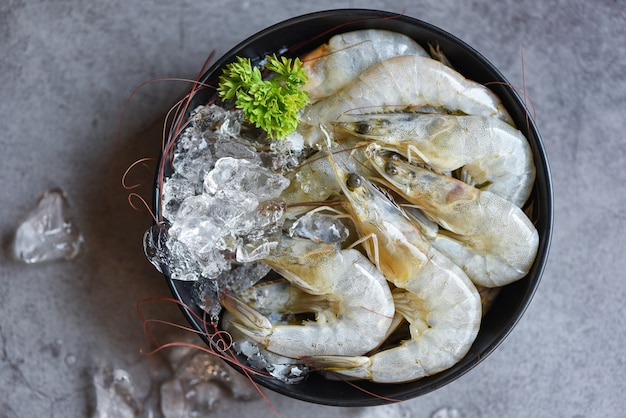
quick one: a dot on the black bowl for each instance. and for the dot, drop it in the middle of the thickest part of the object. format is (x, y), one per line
(296, 36)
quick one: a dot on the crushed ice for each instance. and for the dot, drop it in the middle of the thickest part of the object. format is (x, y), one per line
(114, 394)
(187, 383)
(200, 381)
(282, 368)
(48, 233)
(222, 215)
(221, 205)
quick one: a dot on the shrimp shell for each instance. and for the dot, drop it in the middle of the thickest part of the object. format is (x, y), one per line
(403, 83)
(437, 298)
(334, 65)
(490, 238)
(491, 154)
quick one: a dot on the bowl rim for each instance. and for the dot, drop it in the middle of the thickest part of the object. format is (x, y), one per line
(341, 393)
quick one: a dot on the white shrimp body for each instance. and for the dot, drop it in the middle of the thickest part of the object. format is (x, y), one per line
(403, 83)
(491, 154)
(437, 298)
(334, 65)
(491, 238)
(363, 306)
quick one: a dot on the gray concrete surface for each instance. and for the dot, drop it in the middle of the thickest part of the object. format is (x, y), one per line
(67, 69)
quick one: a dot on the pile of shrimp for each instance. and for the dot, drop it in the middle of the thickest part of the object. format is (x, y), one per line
(430, 175)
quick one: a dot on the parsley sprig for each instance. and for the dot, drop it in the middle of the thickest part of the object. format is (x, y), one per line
(271, 104)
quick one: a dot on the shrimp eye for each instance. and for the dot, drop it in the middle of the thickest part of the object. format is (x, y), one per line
(363, 128)
(391, 169)
(354, 181)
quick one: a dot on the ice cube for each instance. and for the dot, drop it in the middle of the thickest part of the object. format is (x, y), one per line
(154, 241)
(175, 190)
(244, 176)
(231, 124)
(48, 233)
(251, 351)
(170, 256)
(282, 368)
(204, 118)
(179, 400)
(114, 394)
(233, 209)
(261, 232)
(205, 294)
(194, 164)
(243, 276)
(289, 372)
(226, 146)
(201, 380)
(198, 234)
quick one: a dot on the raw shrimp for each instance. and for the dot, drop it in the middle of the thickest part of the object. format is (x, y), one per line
(362, 304)
(489, 237)
(403, 83)
(335, 64)
(315, 181)
(491, 154)
(439, 301)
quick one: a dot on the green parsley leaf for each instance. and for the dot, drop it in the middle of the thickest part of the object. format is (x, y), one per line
(271, 104)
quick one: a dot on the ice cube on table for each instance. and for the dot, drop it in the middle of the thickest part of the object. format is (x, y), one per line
(114, 394)
(48, 233)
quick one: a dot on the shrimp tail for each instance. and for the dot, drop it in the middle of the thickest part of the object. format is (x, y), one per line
(355, 366)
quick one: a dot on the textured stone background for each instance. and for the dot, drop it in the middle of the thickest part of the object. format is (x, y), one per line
(67, 69)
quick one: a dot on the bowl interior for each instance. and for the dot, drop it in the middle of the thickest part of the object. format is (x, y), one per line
(301, 34)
